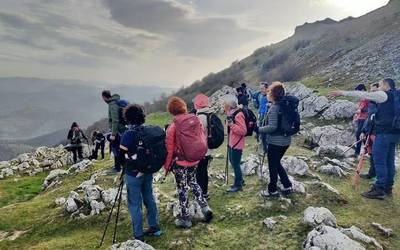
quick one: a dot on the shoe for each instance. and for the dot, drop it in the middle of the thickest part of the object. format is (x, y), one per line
(208, 214)
(181, 223)
(206, 196)
(141, 238)
(152, 231)
(389, 191)
(113, 171)
(366, 176)
(267, 194)
(243, 184)
(234, 189)
(375, 193)
(287, 191)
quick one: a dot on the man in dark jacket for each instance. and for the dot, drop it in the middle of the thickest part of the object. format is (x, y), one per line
(116, 124)
(99, 141)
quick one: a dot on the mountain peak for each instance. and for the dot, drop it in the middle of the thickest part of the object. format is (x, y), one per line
(312, 28)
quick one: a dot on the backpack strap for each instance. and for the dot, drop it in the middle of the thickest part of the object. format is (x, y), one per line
(208, 115)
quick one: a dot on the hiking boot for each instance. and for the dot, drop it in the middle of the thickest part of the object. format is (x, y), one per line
(243, 183)
(366, 176)
(389, 191)
(234, 189)
(152, 231)
(375, 193)
(287, 191)
(267, 194)
(208, 214)
(181, 223)
(141, 238)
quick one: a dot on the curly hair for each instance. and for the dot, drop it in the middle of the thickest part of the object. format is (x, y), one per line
(276, 91)
(176, 106)
(134, 114)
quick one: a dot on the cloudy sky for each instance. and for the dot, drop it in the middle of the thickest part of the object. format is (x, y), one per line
(162, 42)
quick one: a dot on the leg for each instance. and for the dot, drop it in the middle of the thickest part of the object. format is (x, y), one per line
(371, 171)
(235, 157)
(358, 134)
(133, 186)
(75, 154)
(102, 146)
(273, 163)
(149, 201)
(182, 188)
(391, 168)
(202, 175)
(380, 151)
(96, 150)
(80, 153)
(197, 192)
(117, 161)
(281, 171)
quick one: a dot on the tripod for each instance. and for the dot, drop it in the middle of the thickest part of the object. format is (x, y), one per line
(118, 199)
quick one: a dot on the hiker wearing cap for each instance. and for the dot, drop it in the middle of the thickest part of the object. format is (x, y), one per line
(387, 134)
(242, 97)
(360, 117)
(75, 136)
(186, 145)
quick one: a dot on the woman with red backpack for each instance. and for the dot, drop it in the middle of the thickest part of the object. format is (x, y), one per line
(186, 145)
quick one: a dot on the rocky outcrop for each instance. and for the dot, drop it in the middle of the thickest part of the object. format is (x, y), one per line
(216, 100)
(194, 210)
(331, 136)
(295, 165)
(250, 165)
(315, 216)
(336, 151)
(340, 109)
(132, 245)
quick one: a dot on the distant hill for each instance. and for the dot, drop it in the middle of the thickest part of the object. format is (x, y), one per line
(352, 50)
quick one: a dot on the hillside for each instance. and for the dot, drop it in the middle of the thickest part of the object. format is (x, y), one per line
(349, 51)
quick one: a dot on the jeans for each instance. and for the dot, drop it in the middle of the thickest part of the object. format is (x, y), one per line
(140, 190)
(202, 174)
(360, 125)
(383, 152)
(275, 154)
(235, 157)
(371, 171)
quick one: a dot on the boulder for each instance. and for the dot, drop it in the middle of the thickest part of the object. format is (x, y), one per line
(299, 90)
(313, 105)
(298, 187)
(5, 172)
(330, 136)
(357, 234)
(333, 170)
(109, 195)
(336, 151)
(216, 100)
(23, 158)
(132, 245)
(92, 193)
(250, 165)
(326, 237)
(5, 164)
(96, 207)
(294, 165)
(70, 205)
(315, 216)
(53, 177)
(340, 109)
(80, 166)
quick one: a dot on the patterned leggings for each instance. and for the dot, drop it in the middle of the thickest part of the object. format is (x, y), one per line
(185, 177)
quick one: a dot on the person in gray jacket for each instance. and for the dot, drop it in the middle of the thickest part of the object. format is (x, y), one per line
(277, 144)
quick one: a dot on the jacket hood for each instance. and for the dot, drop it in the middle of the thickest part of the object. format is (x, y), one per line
(115, 97)
(200, 101)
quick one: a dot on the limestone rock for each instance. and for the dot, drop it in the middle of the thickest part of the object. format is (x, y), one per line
(385, 231)
(330, 136)
(80, 166)
(295, 165)
(321, 184)
(5, 164)
(109, 195)
(216, 99)
(250, 165)
(132, 245)
(272, 221)
(70, 205)
(23, 158)
(5, 172)
(53, 177)
(96, 207)
(313, 105)
(340, 109)
(357, 234)
(315, 216)
(92, 193)
(332, 170)
(60, 201)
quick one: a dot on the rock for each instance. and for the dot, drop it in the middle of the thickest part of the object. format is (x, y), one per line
(23, 158)
(56, 165)
(342, 164)
(330, 136)
(321, 184)
(326, 237)
(5, 164)
(60, 201)
(332, 170)
(80, 166)
(271, 221)
(34, 163)
(294, 165)
(299, 90)
(216, 100)
(96, 207)
(194, 210)
(109, 195)
(87, 183)
(23, 166)
(315, 216)
(53, 177)
(356, 234)
(5, 172)
(340, 109)
(313, 105)
(250, 165)
(385, 231)
(70, 205)
(132, 245)
(336, 151)
(92, 193)
(298, 187)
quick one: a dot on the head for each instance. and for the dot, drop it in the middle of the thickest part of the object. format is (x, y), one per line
(374, 87)
(176, 106)
(134, 114)
(276, 92)
(239, 90)
(264, 86)
(106, 95)
(243, 85)
(74, 125)
(230, 102)
(200, 101)
(94, 133)
(360, 87)
(387, 84)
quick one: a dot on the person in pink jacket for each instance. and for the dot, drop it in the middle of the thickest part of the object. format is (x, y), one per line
(183, 170)
(237, 130)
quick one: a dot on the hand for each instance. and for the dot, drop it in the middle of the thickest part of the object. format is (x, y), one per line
(112, 137)
(363, 136)
(334, 94)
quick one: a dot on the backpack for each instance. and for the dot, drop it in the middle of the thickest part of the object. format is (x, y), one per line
(250, 119)
(396, 103)
(190, 138)
(151, 151)
(215, 130)
(288, 116)
(76, 137)
(122, 104)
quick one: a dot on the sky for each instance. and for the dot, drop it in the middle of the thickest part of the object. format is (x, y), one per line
(169, 43)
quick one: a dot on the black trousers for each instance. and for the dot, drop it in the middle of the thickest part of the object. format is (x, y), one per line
(77, 152)
(275, 154)
(98, 146)
(202, 174)
(114, 145)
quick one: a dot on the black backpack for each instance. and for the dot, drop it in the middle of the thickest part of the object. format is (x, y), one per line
(250, 119)
(288, 116)
(215, 130)
(122, 104)
(151, 151)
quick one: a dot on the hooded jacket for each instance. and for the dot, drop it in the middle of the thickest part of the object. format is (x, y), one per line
(113, 116)
(237, 131)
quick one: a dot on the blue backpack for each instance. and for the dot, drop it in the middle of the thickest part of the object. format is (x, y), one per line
(122, 104)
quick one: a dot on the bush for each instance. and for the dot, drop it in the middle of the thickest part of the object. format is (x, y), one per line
(275, 61)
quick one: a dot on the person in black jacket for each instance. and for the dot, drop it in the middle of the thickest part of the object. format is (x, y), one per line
(242, 97)
(75, 136)
(99, 142)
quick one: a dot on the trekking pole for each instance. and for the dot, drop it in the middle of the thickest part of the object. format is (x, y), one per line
(118, 209)
(352, 145)
(261, 166)
(112, 208)
(356, 177)
(227, 158)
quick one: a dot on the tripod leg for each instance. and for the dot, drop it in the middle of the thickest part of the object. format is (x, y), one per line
(118, 209)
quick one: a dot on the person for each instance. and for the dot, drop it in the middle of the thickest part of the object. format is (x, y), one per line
(116, 125)
(139, 185)
(387, 137)
(75, 136)
(369, 130)
(245, 90)
(201, 105)
(277, 144)
(184, 170)
(99, 142)
(242, 97)
(236, 126)
(360, 117)
(263, 101)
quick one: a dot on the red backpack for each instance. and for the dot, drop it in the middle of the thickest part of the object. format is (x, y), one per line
(191, 140)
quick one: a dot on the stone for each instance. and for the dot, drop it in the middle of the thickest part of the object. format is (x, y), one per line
(109, 195)
(272, 221)
(315, 216)
(357, 234)
(70, 205)
(23, 158)
(336, 151)
(96, 207)
(340, 109)
(5, 172)
(321, 184)
(326, 237)
(217, 98)
(342, 164)
(46, 163)
(332, 170)
(250, 165)
(53, 176)
(313, 105)
(92, 193)
(299, 90)
(330, 136)
(298, 187)
(80, 166)
(23, 166)
(295, 165)
(5, 164)
(132, 245)
(388, 232)
(60, 201)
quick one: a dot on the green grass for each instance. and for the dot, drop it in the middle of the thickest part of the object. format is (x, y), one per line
(233, 227)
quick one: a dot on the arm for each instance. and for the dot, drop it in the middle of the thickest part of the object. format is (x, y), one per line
(272, 117)
(378, 96)
(170, 144)
(69, 136)
(239, 126)
(114, 117)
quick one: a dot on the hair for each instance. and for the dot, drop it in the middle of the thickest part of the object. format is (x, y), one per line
(239, 90)
(265, 84)
(390, 82)
(276, 91)
(361, 87)
(106, 93)
(176, 106)
(231, 101)
(134, 114)
(243, 85)
(74, 125)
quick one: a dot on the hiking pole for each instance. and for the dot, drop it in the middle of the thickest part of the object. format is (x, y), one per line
(118, 209)
(112, 208)
(356, 177)
(352, 146)
(227, 158)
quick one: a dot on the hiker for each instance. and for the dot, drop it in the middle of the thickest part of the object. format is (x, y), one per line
(387, 135)
(186, 139)
(263, 101)
(99, 142)
(116, 124)
(237, 130)
(245, 90)
(360, 117)
(139, 185)
(369, 130)
(75, 136)
(242, 97)
(277, 144)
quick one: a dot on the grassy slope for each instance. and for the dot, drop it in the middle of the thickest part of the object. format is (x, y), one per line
(237, 223)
